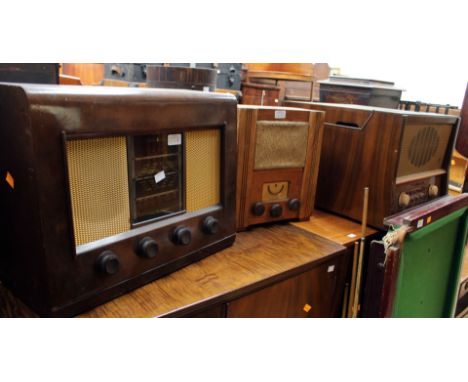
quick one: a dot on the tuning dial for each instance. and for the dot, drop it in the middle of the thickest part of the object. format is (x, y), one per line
(210, 225)
(294, 204)
(276, 210)
(433, 191)
(404, 200)
(108, 263)
(258, 209)
(147, 247)
(182, 235)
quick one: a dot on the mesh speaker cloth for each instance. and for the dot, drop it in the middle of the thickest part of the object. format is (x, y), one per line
(203, 168)
(280, 144)
(97, 171)
(423, 148)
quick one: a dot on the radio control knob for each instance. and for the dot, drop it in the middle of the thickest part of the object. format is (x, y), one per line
(182, 235)
(276, 210)
(404, 200)
(147, 247)
(108, 262)
(294, 204)
(433, 191)
(258, 209)
(210, 225)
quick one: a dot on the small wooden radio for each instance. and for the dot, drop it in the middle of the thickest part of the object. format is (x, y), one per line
(277, 163)
(402, 156)
(104, 189)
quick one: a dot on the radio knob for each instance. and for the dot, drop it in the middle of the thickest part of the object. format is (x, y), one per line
(210, 225)
(258, 209)
(276, 210)
(404, 200)
(147, 247)
(182, 235)
(433, 191)
(294, 204)
(108, 263)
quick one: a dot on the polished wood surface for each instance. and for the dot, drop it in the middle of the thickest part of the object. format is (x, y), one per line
(304, 69)
(310, 294)
(89, 74)
(333, 227)
(259, 257)
(361, 148)
(302, 181)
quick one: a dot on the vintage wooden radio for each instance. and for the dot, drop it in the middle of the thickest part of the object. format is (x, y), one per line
(277, 163)
(402, 156)
(104, 189)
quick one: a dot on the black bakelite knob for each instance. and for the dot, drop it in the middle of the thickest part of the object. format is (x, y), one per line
(258, 209)
(182, 235)
(108, 262)
(147, 247)
(276, 210)
(210, 225)
(294, 204)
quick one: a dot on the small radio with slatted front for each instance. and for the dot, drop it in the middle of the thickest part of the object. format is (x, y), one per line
(105, 189)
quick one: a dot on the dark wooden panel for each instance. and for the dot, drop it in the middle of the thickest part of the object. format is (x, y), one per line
(310, 294)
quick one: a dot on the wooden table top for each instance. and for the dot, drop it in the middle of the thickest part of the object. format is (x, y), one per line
(259, 256)
(333, 227)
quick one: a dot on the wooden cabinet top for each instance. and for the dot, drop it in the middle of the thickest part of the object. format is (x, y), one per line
(259, 257)
(333, 227)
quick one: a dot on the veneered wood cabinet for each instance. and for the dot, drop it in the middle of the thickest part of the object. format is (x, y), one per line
(310, 294)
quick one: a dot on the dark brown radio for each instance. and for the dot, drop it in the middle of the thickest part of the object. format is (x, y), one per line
(104, 189)
(402, 156)
(277, 163)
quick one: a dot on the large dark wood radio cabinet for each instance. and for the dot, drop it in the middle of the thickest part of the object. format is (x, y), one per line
(105, 189)
(402, 156)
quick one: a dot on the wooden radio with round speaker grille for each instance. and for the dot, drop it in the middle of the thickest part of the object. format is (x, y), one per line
(402, 156)
(104, 189)
(277, 163)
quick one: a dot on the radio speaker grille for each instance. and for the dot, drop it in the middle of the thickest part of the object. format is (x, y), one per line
(97, 171)
(203, 166)
(423, 148)
(280, 144)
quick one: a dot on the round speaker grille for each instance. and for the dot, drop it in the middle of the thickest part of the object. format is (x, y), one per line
(423, 146)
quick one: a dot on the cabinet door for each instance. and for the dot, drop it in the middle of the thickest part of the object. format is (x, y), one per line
(310, 294)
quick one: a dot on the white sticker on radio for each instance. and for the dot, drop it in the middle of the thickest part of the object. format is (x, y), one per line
(351, 235)
(160, 176)
(331, 268)
(420, 223)
(280, 114)
(206, 88)
(174, 139)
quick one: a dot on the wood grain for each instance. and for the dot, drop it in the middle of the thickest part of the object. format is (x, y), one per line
(333, 227)
(258, 258)
(89, 74)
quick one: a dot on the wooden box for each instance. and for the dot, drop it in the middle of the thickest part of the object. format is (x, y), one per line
(277, 163)
(402, 156)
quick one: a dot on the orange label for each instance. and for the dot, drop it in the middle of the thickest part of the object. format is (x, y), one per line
(307, 308)
(10, 180)
(429, 219)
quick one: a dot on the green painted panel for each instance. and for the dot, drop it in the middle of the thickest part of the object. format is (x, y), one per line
(430, 267)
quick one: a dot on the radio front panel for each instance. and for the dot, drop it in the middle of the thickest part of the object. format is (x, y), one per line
(123, 186)
(278, 155)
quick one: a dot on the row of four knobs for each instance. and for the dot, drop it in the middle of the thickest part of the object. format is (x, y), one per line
(108, 262)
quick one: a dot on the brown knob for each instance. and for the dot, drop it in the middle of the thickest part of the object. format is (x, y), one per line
(433, 191)
(404, 200)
